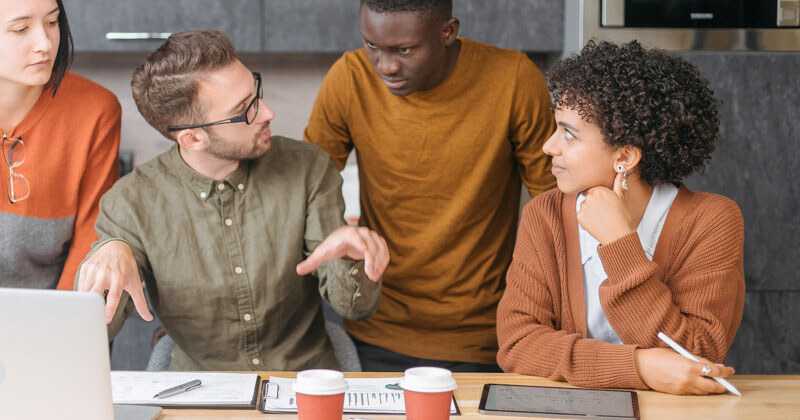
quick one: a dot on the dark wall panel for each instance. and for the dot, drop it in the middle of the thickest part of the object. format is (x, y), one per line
(768, 341)
(758, 165)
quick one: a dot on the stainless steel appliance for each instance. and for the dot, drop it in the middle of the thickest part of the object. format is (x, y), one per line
(683, 25)
(731, 14)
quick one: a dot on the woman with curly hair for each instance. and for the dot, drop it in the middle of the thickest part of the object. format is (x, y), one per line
(621, 249)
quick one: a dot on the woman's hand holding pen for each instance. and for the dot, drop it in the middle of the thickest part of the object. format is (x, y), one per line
(604, 213)
(664, 370)
(358, 243)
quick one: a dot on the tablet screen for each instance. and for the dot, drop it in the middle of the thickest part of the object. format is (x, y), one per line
(585, 403)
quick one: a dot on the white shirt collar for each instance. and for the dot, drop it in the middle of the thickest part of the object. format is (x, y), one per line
(594, 274)
(649, 228)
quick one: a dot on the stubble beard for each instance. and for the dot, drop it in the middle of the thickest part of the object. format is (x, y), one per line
(223, 148)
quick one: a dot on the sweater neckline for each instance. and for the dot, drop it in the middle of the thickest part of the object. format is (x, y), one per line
(574, 271)
(35, 114)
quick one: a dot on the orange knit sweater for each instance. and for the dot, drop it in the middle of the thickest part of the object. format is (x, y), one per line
(71, 143)
(693, 291)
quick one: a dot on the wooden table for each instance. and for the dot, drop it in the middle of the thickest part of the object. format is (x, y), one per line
(766, 397)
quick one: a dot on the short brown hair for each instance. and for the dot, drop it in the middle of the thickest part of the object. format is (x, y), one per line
(164, 87)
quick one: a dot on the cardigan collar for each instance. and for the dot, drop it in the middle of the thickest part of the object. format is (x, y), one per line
(574, 283)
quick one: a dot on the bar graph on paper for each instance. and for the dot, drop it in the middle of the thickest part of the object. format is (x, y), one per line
(389, 401)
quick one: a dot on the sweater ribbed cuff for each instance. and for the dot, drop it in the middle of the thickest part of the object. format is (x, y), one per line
(624, 258)
(616, 367)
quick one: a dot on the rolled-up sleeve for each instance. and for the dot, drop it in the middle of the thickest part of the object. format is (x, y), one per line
(342, 282)
(116, 222)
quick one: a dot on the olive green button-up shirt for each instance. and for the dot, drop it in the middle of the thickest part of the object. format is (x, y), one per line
(218, 258)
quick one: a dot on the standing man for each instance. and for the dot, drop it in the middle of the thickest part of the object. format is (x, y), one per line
(446, 131)
(218, 227)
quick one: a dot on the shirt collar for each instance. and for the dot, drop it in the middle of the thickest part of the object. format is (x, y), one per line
(649, 229)
(654, 216)
(202, 185)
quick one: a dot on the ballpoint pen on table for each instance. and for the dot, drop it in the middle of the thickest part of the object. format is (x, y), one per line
(188, 386)
(683, 352)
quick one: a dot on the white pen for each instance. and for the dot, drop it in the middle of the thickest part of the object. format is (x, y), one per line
(682, 351)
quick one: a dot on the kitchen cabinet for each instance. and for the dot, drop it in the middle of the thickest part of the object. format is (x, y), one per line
(142, 25)
(304, 26)
(310, 25)
(525, 25)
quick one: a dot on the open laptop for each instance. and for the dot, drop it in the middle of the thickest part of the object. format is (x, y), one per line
(54, 361)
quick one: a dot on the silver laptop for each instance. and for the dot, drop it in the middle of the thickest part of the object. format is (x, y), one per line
(54, 358)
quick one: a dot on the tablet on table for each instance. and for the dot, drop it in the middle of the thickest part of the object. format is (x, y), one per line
(566, 403)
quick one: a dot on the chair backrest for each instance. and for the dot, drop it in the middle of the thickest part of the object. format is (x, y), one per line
(343, 347)
(162, 354)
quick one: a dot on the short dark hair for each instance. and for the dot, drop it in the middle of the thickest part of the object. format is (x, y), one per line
(644, 98)
(65, 50)
(165, 86)
(441, 9)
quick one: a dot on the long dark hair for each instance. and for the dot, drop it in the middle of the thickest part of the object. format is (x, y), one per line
(65, 50)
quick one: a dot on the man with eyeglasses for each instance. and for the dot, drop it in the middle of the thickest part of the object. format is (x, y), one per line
(236, 234)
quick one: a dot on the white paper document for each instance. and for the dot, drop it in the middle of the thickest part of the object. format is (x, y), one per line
(217, 389)
(365, 395)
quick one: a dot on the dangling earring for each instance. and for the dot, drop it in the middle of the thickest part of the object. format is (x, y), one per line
(621, 169)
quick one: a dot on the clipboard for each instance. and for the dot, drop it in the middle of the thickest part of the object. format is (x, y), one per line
(271, 391)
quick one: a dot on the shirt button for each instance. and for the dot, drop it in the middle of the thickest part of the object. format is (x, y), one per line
(203, 194)
(354, 271)
(220, 186)
(247, 317)
(238, 270)
(256, 361)
(241, 187)
(228, 222)
(358, 294)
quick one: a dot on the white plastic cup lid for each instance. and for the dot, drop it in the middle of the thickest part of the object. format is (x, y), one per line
(428, 379)
(320, 382)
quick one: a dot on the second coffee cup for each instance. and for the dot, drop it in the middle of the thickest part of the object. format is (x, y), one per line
(427, 392)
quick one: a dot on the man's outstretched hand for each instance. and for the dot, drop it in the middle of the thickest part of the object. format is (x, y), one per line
(357, 243)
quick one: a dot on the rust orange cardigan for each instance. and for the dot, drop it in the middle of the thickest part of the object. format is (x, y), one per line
(693, 291)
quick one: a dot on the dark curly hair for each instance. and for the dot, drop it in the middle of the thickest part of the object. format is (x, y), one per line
(440, 9)
(644, 98)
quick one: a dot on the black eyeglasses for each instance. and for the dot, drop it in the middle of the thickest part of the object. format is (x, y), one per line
(248, 116)
(18, 187)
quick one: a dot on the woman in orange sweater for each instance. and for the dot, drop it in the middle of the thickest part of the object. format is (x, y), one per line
(621, 250)
(60, 142)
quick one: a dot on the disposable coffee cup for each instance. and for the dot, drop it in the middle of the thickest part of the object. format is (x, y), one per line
(320, 394)
(427, 392)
